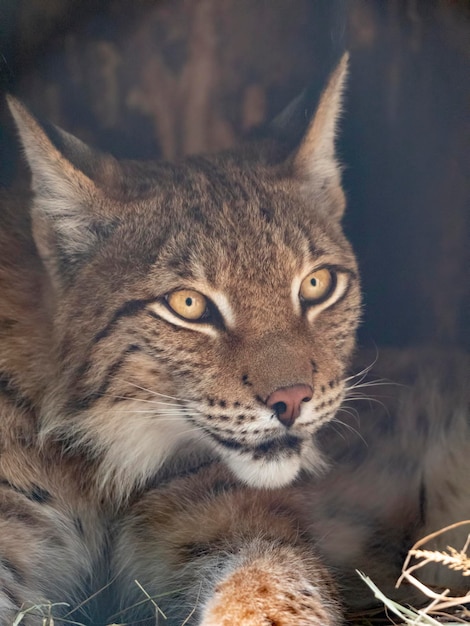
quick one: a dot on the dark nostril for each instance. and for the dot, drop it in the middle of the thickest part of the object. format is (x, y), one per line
(286, 401)
(279, 408)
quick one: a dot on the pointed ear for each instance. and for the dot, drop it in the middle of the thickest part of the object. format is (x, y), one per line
(68, 212)
(314, 163)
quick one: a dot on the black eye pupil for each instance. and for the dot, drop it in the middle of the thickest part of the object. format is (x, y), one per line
(188, 301)
(313, 282)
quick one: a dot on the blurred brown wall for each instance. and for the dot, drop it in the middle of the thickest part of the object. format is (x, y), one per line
(166, 78)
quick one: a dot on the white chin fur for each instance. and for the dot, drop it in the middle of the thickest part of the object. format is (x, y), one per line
(263, 473)
(278, 472)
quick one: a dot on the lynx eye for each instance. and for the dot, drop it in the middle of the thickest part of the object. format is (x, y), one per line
(189, 304)
(317, 286)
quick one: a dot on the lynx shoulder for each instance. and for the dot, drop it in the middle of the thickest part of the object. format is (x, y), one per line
(175, 339)
(159, 316)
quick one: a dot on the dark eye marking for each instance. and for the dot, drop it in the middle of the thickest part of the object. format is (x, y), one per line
(130, 308)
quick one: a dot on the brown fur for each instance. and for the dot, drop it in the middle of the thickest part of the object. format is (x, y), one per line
(238, 553)
(241, 231)
(99, 385)
(398, 471)
(135, 444)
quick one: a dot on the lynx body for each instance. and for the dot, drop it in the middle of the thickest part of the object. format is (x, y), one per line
(174, 339)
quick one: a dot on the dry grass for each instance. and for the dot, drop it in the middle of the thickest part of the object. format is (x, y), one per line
(45, 612)
(439, 607)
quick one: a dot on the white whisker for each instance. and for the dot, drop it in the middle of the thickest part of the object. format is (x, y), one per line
(351, 414)
(169, 404)
(352, 429)
(155, 402)
(378, 382)
(352, 411)
(163, 412)
(370, 399)
(364, 371)
(338, 431)
(154, 393)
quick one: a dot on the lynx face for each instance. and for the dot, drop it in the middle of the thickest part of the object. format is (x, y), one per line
(210, 304)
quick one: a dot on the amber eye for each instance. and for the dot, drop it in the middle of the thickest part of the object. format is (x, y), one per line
(188, 304)
(317, 286)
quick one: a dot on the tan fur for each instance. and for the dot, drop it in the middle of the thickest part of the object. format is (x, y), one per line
(99, 385)
(237, 552)
(132, 243)
(266, 592)
(135, 444)
(398, 471)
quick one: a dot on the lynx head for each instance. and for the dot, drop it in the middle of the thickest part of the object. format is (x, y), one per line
(208, 304)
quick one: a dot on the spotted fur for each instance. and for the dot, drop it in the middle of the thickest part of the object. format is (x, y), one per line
(104, 387)
(136, 444)
(399, 469)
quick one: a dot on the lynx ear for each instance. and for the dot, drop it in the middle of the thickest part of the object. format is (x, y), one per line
(67, 213)
(315, 163)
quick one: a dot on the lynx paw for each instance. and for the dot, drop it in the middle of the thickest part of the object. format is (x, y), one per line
(253, 597)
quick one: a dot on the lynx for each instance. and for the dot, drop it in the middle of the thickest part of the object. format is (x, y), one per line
(176, 339)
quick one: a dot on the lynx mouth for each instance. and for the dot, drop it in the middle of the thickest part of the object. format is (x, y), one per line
(281, 446)
(284, 445)
(273, 463)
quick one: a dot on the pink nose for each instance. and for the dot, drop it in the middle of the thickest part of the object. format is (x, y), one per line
(286, 402)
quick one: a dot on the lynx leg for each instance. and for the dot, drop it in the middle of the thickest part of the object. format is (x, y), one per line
(213, 553)
(43, 557)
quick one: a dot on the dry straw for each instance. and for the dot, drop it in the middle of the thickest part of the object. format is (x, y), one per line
(442, 607)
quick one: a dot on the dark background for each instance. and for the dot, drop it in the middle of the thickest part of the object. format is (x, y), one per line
(165, 78)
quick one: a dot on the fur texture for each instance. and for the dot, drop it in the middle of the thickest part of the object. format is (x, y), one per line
(144, 438)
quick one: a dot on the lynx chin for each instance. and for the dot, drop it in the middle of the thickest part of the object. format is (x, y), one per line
(175, 340)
